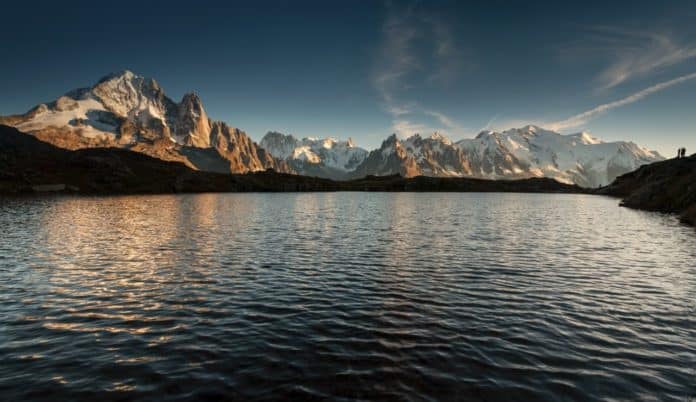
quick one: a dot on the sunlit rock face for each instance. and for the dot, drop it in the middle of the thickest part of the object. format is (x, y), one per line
(417, 156)
(129, 111)
(390, 158)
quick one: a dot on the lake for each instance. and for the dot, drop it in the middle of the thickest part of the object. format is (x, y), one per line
(315, 296)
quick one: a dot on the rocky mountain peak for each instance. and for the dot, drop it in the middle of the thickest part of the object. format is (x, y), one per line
(586, 138)
(127, 80)
(191, 97)
(118, 75)
(192, 105)
(437, 136)
(192, 126)
(483, 134)
(129, 95)
(279, 145)
(391, 140)
(530, 128)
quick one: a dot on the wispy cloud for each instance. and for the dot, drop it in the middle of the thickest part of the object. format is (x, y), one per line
(418, 52)
(449, 57)
(451, 126)
(396, 59)
(584, 117)
(489, 123)
(635, 53)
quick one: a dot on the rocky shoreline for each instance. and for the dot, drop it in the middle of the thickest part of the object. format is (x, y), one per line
(668, 186)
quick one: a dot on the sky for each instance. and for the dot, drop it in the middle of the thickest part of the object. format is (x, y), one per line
(366, 69)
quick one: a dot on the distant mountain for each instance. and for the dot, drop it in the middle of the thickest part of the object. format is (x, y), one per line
(128, 111)
(513, 154)
(532, 151)
(315, 157)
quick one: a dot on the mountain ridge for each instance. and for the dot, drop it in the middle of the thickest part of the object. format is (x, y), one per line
(530, 151)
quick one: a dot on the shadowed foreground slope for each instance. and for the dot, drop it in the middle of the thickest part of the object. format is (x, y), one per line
(667, 186)
(29, 165)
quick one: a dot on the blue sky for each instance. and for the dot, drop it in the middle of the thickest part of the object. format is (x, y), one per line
(364, 69)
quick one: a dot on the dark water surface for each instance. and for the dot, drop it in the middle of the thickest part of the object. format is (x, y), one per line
(343, 296)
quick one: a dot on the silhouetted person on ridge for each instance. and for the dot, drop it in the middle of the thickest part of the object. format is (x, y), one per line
(678, 153)
(683, 152)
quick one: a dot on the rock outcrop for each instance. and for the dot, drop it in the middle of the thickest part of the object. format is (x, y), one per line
(667, 186)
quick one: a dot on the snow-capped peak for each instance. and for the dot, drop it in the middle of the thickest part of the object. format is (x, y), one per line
(129, 95)
(330, 152)
(585, 138)
(483, 134)
(329, 142)
(98, 112)
(530, 128)
(439, 137)
(576, 158)
(123, 74)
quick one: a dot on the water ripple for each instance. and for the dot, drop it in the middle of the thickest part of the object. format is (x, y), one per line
(344, 296)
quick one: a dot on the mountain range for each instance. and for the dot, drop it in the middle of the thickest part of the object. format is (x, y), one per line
(512, 154)
(128, 111)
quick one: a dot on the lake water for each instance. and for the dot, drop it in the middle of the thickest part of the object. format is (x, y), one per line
(344, 296)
